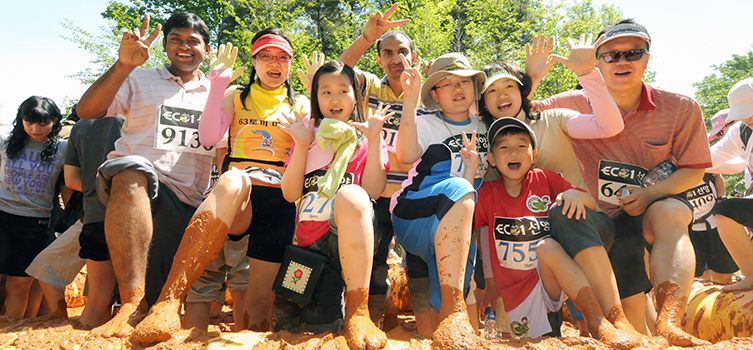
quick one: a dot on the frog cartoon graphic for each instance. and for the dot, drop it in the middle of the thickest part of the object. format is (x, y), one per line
(538, 204)
(520, 328)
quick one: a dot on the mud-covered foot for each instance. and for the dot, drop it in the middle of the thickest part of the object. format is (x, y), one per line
(160, 324)
(671, 307)
(677, 337)
(746, 284)
(617, 317)
(362, 334)
(456, 333)
(622, 340)
(130, 314)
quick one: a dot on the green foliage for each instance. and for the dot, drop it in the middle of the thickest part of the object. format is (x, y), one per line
(486, 31)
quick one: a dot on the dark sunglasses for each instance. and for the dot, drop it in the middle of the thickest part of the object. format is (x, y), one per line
(614, 56)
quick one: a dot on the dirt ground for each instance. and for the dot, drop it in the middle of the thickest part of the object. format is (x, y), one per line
(56, 333)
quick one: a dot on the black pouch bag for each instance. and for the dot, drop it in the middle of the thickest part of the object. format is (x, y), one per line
(300, 270)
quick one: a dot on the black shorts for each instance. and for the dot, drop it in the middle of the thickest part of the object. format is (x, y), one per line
(272, 224)
(627, 252)
(710, 251)
(93, 242)
(737, 209)
(21, 240)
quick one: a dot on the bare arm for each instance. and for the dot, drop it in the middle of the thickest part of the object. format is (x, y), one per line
(407, 148)
(72, 177)
(719, 185)
(374, 170)
(133, 52)
(679, 181)
(377, 25)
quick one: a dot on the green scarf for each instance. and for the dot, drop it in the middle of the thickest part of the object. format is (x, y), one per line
(343, 139)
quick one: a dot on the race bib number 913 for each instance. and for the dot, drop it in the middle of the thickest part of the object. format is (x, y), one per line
(616, 176)
(178, 130)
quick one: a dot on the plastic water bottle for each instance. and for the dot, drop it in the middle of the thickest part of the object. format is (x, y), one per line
(659, 173)
(502, 325)
(490, 323)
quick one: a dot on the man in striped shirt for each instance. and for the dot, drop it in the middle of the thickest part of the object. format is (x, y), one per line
(153, 181)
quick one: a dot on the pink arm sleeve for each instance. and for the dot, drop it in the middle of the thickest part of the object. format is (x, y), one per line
(214, 121)
(606, 120)
(486, 255)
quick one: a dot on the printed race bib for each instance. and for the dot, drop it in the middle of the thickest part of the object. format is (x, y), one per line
(178, 130)
(615, 176)
(314, 207)
(702, 198)
(389, 132)
(516, 238)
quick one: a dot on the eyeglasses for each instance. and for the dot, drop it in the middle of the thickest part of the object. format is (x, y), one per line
(268, 58)
(614, 56)
(465, 83)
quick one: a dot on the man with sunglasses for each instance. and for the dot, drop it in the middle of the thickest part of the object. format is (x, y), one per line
(659, 126)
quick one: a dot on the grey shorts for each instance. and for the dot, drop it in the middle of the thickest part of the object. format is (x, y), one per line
(170, 217)
(58, 264)
(231, 263)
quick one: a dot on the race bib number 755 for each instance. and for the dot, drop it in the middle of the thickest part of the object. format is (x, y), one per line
(178, 130)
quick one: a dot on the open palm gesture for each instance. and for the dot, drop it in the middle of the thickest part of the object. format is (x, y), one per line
(372, 127)
(225, 59)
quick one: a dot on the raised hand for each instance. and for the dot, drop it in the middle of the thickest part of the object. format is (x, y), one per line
(538, 62)
(379, 23)
(294, 126)
(372, 127)
(582, 55)
(468, 153)
(134, 47)
(225, 59)
(410, 79)
(307, 77)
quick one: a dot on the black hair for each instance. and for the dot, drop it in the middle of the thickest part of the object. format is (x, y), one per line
(74, 115)
(337, 68)
(624, 21)
(508, 132)
(252, 76)
(35, 109)
(186, 20)
(525, 90)
(393, 34)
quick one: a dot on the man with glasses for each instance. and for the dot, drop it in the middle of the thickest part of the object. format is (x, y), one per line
(659, 126)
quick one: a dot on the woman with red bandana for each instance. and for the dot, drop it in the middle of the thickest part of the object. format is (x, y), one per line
(256, 152)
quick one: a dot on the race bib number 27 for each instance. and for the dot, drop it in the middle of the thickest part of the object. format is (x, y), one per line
(178, 130)
(616, 176)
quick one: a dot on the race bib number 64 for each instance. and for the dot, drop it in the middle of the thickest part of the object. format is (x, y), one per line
(178, 130)
(616, 176)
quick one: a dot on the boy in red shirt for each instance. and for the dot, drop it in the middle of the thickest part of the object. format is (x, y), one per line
(532, 272)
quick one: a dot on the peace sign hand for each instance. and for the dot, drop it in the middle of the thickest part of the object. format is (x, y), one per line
(378, 24)
(470, 158)
(225, 59)
(134, 47)
(582, 55)
(410, 79)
